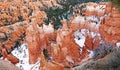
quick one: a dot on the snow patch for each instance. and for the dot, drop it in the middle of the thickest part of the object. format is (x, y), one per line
(93, 18)
(80, 37)
(22, 54)
(80, 42)
(91, 53)
(118, 44)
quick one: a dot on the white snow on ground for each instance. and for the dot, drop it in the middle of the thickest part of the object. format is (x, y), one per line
(93, 18)
(80, 42)
(91, 53)
(93, 34)
(80, 37)
(22, 54)
(118, 44)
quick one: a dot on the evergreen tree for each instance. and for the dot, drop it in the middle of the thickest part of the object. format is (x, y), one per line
(116, 2)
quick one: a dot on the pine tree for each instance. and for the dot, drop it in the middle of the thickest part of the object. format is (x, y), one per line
(116, 2)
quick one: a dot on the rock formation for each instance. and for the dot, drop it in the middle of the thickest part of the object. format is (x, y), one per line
(88, 38)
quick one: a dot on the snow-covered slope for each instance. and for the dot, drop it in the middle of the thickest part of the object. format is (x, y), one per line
(22, 54)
